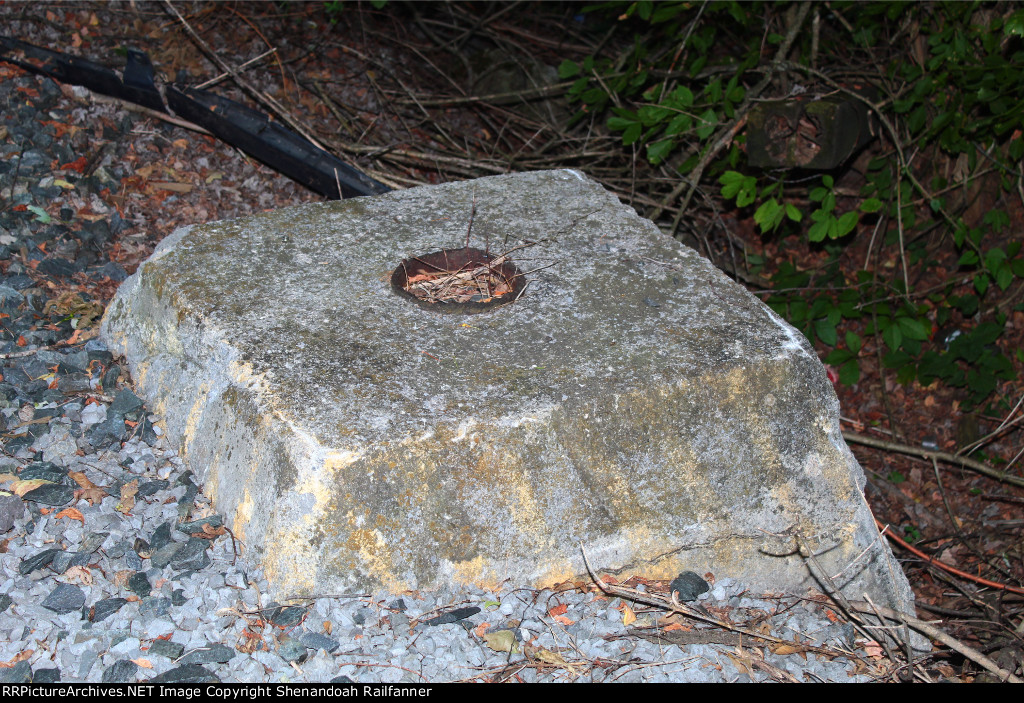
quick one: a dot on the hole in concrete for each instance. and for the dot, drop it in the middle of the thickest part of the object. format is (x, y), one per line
(458, 280)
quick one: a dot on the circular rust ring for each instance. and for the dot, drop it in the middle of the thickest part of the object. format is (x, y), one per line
(454, 260)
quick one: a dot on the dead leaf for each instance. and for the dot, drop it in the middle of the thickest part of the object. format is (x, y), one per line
(250, 642)
(742, 662)
(20, 488)
(787, 648)
(78, 574)
(128, 492)
(72, 513)
(143, 663)
(555, 659)
(480, 629)
(210, 532)
(19, 657)
(872, 648)
(71, 303)
(628, 616)
(501, 641)
(91, 492)
(172, 186)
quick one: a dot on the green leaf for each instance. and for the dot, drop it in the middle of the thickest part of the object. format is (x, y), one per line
(657, 152)
(568, 69)
(732, 182)
(710, 121)
(617, 124)
(838, 357)
(41, 214)
(679, 123)
(871, 205)
(826, 331)
(892, 336)
(819, 230)
(769, 215)
(849, 373)
(680, 98)
(968, 258)
(993, 258)
(651, 115)
(845, 224)
(746, 197)
(793, 212)
(1014, 25)
(853, 342)
(632, 133)
(914, 329)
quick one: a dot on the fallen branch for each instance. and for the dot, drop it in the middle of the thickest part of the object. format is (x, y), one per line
(935, 633)
(966, 462)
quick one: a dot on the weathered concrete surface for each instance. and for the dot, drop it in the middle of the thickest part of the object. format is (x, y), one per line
(633, 400)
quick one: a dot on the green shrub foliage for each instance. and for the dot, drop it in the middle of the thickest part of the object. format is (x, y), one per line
(940, 190)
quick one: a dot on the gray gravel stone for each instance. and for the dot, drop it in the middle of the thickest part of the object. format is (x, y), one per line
(65, 598)
(213, 654)
(124, 671)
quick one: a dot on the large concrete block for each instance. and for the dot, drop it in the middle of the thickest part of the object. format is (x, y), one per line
(634, 400)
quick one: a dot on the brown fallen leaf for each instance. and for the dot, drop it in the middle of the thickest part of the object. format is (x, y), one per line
(784, 649)
(128, 492)
(555, 659)
(143, 663)
(90, 491)
(78, 574)
(20, 488)
(19, 657)
(72, 513)
(210, 532)
(250, 642)
(628, 616)
(743, 662)
(501, 641)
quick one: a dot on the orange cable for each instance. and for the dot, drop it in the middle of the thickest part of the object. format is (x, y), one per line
(946, 567)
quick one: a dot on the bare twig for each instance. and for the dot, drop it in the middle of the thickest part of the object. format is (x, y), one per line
(257, 95)
(966, 462)
(937, 634)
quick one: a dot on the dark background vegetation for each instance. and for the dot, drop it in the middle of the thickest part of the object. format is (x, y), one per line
(902, 265)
